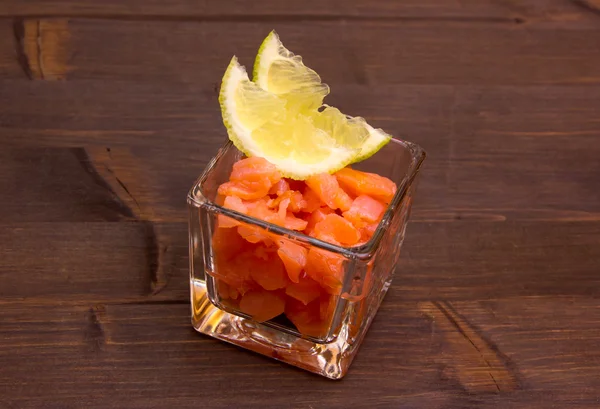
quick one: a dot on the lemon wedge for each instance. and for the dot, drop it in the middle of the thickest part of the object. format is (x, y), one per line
(278, 71)
(259, 124)
(281, 117)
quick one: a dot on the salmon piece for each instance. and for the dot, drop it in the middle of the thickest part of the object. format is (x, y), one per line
(362, 183)
(293, 257)
(329, 192)
(254, 234)
(233, 203)
(325, 186)
(294, 223)
(342, 200)
(262, 305)
(326, 237)
(261, 210)
(219, 200)
(365, 214)
(226, 222)
(305, 290)
(315, 217)
(367, 231)
(313, 201)
(338, 228)
(280, 217)
(306, 318)
(270, 274)
(226, 292)
(222, 289)
(280, 187)
(327, 307)
(326, 269)
(243, 191)
(282, 210)
(250, 179)
(234, 272)
(234, 293)
(255, 170)
(296, 201)
(365, 208)
(227, 243)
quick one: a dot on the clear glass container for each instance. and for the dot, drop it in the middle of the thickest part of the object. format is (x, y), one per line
(321, 334)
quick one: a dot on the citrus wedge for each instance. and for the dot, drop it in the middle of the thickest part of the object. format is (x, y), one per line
(280, 72)
(259, 123)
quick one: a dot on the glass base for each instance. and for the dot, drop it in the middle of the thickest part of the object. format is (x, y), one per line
(331, 360)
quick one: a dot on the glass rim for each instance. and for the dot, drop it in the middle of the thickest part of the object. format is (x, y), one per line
(364, 251)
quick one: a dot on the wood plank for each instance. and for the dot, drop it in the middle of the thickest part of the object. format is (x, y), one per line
(99, 262)
(514, 148)
(11, 55)
(91, 261)
(106, 355)
(486, 145)
(206, 9)
(54, 184)
(453, 260)
(364, 52)
(575, 13)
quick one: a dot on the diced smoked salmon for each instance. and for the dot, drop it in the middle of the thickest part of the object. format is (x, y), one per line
(263, 274)
(293, 257)
(362, 183)
(365, 208)
(338, 228)
(328, 190)
(262, 305)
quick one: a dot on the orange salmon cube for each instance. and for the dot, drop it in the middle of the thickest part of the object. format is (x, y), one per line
(328, 190)
(293, 257)
(362, 183)
(262, 305)
(326, 269)
(270, 274)
(338, 228)
(306, 318)
(255, 170)
(365, 208)
(242, 191)
(305, 290)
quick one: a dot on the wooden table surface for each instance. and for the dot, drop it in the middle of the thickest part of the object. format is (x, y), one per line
(108, 113)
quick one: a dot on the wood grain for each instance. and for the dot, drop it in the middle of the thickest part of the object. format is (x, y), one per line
(408, 53)
(487, 146)
(495, 301)
(10, 50)
(573, 13)
(45, 47)
(99, 262)
(109, 370)
(207, 9)
(481, 369)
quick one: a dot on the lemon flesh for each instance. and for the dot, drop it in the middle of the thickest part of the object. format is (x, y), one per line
(280, 72)
(281, 117)
(260, 124)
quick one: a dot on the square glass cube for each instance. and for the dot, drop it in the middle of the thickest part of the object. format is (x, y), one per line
(242, 295)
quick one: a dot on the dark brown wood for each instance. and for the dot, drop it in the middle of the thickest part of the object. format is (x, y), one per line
(119, 352)
(571, 12)
(406, 52)
(108, 113)
(487, 145)
(441, 261)
(311, 8)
